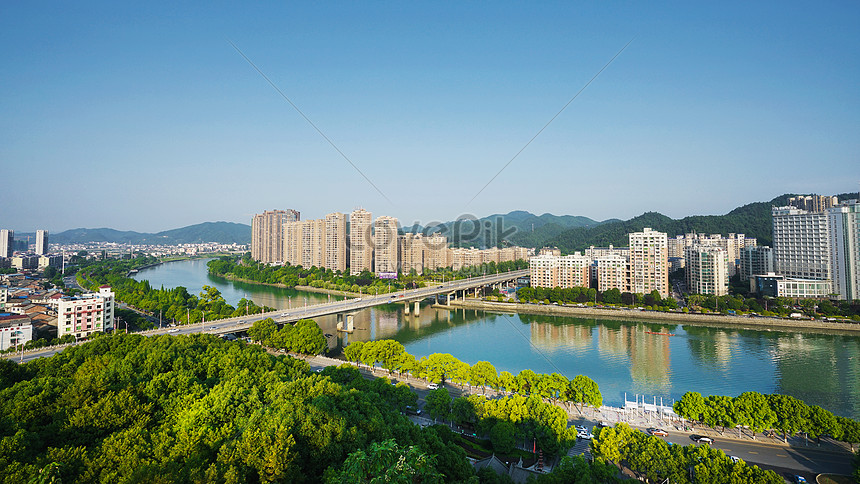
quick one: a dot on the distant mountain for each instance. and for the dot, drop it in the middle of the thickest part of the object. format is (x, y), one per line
(220, 232)
(517, 227)
(752, 220)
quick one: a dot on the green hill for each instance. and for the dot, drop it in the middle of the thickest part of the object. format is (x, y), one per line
(220, 232)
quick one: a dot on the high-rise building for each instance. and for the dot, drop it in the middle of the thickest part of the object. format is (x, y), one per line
(385, 247)
(707, 270)
(413, 252)
(813, 203)
(267, 235)
(41, 242)
(335, 242)
(86, 314)
(649, 262)
(360, 241)
(562, 271)
(304, 243)
(611, 272)
(844, 228)
(437, 252)
(801, 243)
(7, 242)
(755, 260)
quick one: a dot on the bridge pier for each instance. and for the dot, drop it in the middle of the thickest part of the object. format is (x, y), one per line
(406, 308)
(417, 307)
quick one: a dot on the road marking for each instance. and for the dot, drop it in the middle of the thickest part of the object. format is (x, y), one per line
(781, 455)
(753, 452)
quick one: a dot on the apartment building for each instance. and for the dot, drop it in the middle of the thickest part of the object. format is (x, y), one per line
(813, 203)
(86, 314)
(41, 242)
(801, 243)
(707, 270)
(844, 238)
(15, 329)
(385, 245)
(437, 252)
(755, 260)
(335, 242)
(413, 252)
(611, 272)
(360, 241)
(649, 263)
(267, 235)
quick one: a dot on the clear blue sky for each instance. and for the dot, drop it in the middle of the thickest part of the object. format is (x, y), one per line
(143, 117)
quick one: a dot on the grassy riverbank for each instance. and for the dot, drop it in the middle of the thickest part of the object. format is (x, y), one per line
(660, 316)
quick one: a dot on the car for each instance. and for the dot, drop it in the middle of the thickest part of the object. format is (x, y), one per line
(584, 435)
(581, 428)
(658, 432)
(701, 439)
(735, 459)
(174, 330)
(603, 424)
(799, 479)
(433, 386)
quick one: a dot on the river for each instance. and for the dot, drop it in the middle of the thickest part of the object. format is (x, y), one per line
(820, 369)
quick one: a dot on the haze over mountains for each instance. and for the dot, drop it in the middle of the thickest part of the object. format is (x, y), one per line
(567, 232)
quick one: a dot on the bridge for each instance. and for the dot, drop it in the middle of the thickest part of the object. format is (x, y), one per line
(451, 290)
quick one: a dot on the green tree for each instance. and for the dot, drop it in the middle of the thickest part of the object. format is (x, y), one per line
(753, 410)
(691, 406)
(791, 414)
(438, 404)
(262, 330)
(483, 374)
(387, 462)
(503, 437)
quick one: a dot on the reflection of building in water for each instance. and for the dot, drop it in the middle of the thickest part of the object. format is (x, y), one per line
(649, 354)
(820, 370)
(554, 336)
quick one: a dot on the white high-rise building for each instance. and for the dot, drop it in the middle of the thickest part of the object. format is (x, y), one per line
(801, 243)
(707, 270)
(7, 242)
(360, 241)
(844, 226)
(413, 253)
(385, 246)
(41, 242)
(649, 262)
(562, 271)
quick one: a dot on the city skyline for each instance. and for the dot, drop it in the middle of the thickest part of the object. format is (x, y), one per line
(710, 107)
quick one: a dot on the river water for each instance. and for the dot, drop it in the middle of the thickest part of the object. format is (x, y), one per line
(821, 369)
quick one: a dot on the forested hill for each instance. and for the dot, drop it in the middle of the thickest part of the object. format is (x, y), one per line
(220, 232)
(753, 220)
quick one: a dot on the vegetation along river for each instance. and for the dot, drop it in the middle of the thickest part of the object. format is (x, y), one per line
(621, 356)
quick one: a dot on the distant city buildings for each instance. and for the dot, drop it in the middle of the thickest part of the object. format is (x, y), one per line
(755, 260)
(813, 203)
(385, 246)
(649, 257)
(844, 234)
(15, 329)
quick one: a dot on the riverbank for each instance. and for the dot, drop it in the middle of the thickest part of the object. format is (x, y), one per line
(658, 316)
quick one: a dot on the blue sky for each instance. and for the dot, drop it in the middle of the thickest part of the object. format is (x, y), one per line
(143, 117)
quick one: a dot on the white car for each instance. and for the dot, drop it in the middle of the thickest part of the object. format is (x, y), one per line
(433, 386)
(581, 428)
(584, 435)
(174, 330)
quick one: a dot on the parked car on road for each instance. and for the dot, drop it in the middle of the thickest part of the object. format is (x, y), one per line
(701, 439)
(658, 432)
(584, 435)
(433, 386)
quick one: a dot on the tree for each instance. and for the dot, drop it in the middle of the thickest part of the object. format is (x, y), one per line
(503, 437)
(388, 462)
(262, 330)
(753, 410)
(719, 411)
(584, 390)
(791, 414)
(438, 404)
(691, 406)
(822, 422)
(462, 411)
(482, 373)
